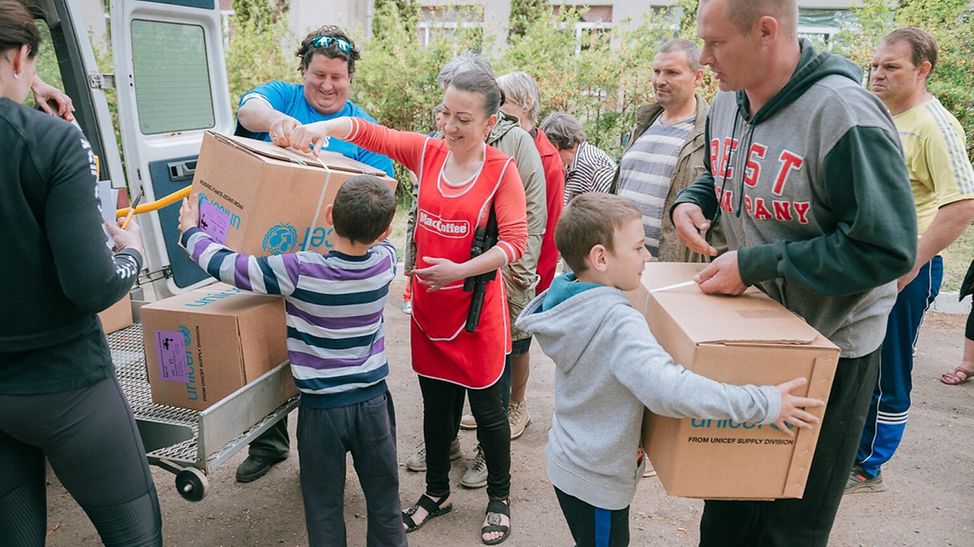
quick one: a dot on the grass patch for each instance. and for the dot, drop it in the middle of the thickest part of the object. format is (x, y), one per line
(957, 258)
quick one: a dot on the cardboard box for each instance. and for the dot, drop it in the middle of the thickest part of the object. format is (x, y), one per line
(261, 199)
(203, 345)
(748, 339)
(117, 316)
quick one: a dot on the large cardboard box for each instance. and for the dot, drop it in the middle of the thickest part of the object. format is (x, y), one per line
(748, 339)
(117, 316)
(261, 199)
(202, 345)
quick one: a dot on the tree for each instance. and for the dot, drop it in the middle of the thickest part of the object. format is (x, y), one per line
(408, 12)
(260, 12)
(525, 13)
(256, 52)
(396, 79)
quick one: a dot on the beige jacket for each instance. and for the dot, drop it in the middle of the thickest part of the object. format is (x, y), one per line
(689, 166)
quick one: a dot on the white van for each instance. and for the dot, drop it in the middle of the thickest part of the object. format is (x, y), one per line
(170, 84)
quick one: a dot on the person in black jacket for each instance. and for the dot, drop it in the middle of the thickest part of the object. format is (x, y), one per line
(59, 396)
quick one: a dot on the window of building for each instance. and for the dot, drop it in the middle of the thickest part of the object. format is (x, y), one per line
(446, 22)
(594, 25)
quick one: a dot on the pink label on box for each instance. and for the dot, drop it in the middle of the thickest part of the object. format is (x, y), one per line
(214, 221)
(172, 356)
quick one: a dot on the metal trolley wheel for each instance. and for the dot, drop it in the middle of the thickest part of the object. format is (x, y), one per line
(191, 484)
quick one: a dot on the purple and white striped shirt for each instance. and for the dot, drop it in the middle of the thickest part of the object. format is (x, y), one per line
(334, 304)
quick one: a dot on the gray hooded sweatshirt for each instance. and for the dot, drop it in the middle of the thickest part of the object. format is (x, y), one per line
(819, 208)
(608, 368)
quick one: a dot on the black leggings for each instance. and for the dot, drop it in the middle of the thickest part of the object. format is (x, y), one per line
(442, 407)
(969, 331)
(94, 447)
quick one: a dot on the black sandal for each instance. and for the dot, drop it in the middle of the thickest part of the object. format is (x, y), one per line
(434, 508)
(496, 508)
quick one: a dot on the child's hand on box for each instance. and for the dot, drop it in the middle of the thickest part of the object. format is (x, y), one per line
(793, 413)
(189, 212)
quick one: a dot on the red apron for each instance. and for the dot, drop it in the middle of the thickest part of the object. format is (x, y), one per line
(446, 219)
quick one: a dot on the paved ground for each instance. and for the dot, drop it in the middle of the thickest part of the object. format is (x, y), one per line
(930, 500)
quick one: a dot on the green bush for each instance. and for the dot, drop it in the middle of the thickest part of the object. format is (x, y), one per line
(605, 82)
(258, 52)
(395, 81)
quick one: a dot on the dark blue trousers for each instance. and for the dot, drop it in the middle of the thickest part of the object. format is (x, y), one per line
(593, 526)
(890, 405)
(325, 436)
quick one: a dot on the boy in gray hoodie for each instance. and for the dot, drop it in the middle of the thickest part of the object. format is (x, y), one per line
(609, 367)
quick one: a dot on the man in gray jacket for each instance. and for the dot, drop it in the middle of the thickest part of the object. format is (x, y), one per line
(806, 169)
(665, 151)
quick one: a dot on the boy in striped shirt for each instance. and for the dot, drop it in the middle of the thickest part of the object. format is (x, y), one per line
(336, 344)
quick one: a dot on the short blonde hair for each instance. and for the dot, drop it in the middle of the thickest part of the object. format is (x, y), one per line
(520, 88)
(744, 13)
(591, 219)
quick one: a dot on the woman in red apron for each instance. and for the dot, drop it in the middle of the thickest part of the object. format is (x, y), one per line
(461, 181)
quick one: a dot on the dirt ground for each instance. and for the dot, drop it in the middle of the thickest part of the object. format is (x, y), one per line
(929, 501)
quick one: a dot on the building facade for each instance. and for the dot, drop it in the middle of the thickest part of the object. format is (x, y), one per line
(444, 17)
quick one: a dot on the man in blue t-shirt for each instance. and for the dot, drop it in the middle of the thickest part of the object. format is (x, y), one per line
(274, 109)
(328, 58)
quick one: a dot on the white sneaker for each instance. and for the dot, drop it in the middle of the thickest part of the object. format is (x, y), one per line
(519, 418)
(468, 422)
(476, 474)
(417, 462)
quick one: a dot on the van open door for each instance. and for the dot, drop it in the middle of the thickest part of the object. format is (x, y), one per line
(171, 83)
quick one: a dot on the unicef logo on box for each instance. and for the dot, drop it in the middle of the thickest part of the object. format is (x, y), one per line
(280, 239)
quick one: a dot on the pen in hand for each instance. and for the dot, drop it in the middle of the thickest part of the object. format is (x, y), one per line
(128, 217)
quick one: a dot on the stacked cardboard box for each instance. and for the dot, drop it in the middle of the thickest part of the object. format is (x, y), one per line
(203, 345)
(117, 316)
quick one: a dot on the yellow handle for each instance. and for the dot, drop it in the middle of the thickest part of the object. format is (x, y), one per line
(157, 204)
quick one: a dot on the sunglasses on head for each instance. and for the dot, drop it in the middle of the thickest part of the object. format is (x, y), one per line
(329, 41)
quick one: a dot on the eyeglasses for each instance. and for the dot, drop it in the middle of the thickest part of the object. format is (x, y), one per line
(329, 41)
